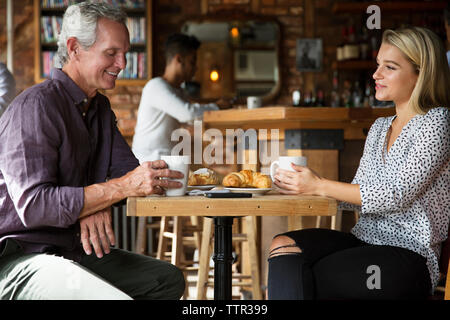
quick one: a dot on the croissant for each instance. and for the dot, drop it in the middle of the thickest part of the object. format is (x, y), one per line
(247, 179)
(201, 179)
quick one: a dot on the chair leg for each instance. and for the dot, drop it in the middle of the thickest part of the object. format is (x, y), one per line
(336, 221)
(318, 221)
(162, 242)
(447, 285)
(197, 221)
(254, 260)
(177, 241)
(204, 256)
(141, 241)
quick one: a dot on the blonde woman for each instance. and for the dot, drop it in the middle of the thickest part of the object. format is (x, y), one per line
(402, 188)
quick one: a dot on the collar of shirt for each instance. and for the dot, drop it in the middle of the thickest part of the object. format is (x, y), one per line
(78, 96)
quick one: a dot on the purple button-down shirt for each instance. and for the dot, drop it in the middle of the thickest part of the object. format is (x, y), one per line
(50, 151)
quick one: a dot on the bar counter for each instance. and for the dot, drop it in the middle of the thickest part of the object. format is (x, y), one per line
(354, 121)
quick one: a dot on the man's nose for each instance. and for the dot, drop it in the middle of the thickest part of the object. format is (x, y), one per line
(121, 61)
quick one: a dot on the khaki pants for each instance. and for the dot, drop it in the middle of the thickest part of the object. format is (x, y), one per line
(119, 275)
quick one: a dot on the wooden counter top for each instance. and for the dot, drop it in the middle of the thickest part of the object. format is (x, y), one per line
(277, 113)
(354, 121)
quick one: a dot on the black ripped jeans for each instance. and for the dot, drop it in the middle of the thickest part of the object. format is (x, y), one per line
(337, 265)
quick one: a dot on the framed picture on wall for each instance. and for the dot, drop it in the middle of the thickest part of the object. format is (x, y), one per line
(309, 54)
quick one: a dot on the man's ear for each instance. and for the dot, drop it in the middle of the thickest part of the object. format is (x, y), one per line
(179, 59)
(73, 47)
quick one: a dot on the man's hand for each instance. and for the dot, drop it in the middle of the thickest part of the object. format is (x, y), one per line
(97, 232)
(147, 179)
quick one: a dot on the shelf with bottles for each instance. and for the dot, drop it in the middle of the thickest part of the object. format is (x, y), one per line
(48, 21)
(389, 6)
(354, 65)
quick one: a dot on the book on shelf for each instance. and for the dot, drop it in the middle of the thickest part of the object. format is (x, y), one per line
(50, 28)
(135, 69)
(136, 28)
(47, 62)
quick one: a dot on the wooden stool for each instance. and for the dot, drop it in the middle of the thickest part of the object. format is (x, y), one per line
(184, 232)
(141, 235)
(205, 254)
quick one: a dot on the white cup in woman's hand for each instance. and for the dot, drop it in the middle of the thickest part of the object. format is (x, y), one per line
(285, 163)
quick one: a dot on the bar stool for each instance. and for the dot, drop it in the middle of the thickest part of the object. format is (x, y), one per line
(185, 232)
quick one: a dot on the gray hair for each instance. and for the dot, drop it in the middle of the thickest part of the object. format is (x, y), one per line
(80, 21)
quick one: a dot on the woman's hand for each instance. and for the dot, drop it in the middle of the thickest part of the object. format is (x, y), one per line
(302, 181)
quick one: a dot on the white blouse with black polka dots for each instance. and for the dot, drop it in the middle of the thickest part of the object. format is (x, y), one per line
(405, 193)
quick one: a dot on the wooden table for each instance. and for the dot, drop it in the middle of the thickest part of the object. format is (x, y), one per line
(223, 211)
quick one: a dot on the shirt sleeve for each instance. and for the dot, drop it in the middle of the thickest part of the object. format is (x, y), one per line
(29, 163)
(426, 159)
(163, 97)
(122, 158)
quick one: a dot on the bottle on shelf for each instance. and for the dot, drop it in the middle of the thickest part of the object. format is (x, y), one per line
(374, 46)
(346, 97)
(335, 100)
(313, 99)
(340, 48)
(320, 99)
(369, 98)
(364, 44)
(296, 98)
(357, 96)
(351, 48)
(307, 100)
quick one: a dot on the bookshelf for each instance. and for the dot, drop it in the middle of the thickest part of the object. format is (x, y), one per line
(48, 16)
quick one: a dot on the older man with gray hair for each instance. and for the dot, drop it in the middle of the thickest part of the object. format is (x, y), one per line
(63, 164)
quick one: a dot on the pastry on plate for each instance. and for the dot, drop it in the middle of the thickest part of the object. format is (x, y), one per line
(247, 179)
(202, 177)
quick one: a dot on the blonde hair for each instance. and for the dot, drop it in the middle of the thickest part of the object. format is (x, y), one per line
(426, 53)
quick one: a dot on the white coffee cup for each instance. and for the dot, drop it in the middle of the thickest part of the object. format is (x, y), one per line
(178, 163)
(254, 102)
(285, 163)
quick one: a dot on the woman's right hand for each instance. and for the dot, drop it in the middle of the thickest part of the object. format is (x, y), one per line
(301, 181)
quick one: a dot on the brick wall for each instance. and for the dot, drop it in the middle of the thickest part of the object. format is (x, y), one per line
(297, 18)
(23, 42)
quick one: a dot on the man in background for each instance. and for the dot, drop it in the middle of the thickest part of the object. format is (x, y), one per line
(164, 105)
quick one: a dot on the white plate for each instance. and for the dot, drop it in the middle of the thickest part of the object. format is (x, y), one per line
(250, 190)
(204, 187)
